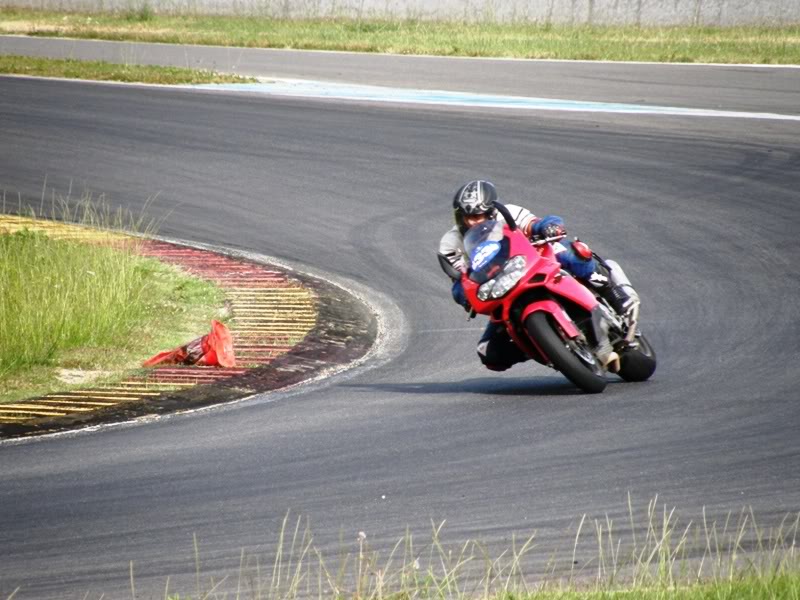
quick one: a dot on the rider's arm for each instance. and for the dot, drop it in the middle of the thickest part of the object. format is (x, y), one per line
(451, 249)
(452, 261)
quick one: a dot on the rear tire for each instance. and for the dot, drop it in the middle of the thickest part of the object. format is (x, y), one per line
(638, 364)
(544, 332)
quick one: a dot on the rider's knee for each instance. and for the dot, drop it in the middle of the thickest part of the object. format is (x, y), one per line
(497, 368)
(492, 364)
(499, 357)
(576, 265)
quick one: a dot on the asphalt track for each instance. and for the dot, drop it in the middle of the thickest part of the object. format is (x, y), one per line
(703, 213)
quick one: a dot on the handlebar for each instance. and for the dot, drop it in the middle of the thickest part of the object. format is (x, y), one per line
(543, 241)
(512, 225)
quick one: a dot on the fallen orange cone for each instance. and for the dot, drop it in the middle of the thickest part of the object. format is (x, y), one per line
(212, 350)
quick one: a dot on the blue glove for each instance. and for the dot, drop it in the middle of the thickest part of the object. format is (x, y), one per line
(458, 295)
(549, 227)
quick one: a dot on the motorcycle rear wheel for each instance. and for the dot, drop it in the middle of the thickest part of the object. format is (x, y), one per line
(638, 364)
(544, 332)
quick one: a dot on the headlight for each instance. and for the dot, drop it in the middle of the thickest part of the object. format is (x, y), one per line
(505, 282)
(498, 287)
(485, 290)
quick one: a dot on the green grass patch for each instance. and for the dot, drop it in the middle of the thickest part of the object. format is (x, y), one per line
(648, 555)
(784, 586)
(758, 45)
(74, 312)
(103, 71)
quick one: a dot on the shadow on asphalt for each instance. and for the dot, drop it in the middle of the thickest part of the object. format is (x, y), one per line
(498, 386)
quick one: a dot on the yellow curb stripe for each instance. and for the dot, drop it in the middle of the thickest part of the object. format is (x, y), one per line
(173, 384)
(32, 411)
(78, 400)
(287, 311)
(275, 328)
(39, 405)
(119, 391)
(140, 384)
(278, 310)
(289, 291)
(32, 414)
(275, 325)
(58, 229)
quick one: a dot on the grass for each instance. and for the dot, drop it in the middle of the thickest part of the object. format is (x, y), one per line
(103, 71)
(767, 45)
(652, 555)
(89, 306)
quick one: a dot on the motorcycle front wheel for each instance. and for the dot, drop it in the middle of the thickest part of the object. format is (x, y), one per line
(564, 354)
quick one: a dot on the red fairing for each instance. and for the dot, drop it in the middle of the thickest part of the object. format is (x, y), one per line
(542, 270)
(555, 309)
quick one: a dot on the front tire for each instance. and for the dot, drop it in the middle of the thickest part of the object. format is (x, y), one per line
(638, 364)
(544, 332)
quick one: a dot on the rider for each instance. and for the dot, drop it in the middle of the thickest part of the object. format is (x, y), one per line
(473, 203)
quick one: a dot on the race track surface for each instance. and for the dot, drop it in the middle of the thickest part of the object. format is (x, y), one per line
(702, 213)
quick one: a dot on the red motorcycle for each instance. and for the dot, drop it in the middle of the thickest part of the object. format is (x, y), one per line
(551, 316)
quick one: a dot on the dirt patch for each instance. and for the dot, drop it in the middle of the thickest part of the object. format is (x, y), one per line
(79, 376)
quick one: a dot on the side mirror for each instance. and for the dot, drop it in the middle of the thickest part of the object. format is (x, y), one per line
(512, 225)
(451, 271)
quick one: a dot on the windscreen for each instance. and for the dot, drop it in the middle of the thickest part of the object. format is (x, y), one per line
(487, 249)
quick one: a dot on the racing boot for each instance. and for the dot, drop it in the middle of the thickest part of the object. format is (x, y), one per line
(604, 351)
